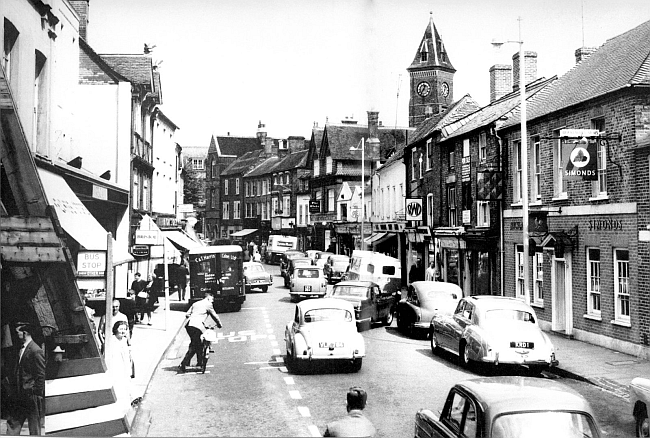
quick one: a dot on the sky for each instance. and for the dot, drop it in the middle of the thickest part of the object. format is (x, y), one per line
(226, 65)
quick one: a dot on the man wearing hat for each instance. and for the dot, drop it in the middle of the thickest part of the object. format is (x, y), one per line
(355, 423)
(28, 387)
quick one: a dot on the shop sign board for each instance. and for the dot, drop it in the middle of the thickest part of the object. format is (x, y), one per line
(146, 237)
(91, 263)
(413, 209)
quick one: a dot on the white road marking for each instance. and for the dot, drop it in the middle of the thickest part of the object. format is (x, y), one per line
(304, 411)
(283, 369)
(295, 395)
(314, 430)
(289, 381)
(279, 359)
(276, 351)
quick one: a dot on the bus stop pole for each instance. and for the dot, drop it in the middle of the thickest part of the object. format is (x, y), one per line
(108, 318)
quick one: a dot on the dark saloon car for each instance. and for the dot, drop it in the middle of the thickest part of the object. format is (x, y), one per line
(336, 267)
(371, 305)
(509, 407)
(425, 299)
(291, 268)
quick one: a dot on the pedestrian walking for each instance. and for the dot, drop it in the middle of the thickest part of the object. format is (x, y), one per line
(117, 316)
(430, 273)
(195, 327)
(182, 281)
(27, 388)
(355, 423)
(138, 285)
(120, 366)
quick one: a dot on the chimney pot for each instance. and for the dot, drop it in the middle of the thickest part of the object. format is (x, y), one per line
(500, 81)
(530, 62)
(583, 53)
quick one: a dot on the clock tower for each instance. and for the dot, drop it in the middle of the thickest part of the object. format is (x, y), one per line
(431, 77)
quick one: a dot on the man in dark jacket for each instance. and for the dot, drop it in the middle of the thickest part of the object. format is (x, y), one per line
(28, 385)
(355, 423)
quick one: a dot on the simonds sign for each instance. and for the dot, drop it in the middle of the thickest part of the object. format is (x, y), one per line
(580, 156)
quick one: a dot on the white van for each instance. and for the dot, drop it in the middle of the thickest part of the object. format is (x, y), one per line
(373, 266)
(278, 245)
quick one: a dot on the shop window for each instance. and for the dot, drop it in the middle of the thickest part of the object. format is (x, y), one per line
(538, 278)
(593, 281)
(599, 188)
(519, 272)
(622, 285)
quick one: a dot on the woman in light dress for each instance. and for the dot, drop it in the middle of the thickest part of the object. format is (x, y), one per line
(118, 361)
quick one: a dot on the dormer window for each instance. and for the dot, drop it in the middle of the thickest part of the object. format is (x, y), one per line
(424, 52)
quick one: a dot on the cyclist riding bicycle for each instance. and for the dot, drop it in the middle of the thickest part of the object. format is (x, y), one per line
(198, 319)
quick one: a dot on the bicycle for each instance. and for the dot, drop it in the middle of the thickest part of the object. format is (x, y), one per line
(207, 338)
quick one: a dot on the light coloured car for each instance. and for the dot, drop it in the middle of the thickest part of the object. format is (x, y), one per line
(256, 277)
(323, 330)
(509, 407)
(307, 281)
(321, 258)
(311, 253)
(336, 266)
(640, 401)
(424, 299)
(493, 329)
(291, 267)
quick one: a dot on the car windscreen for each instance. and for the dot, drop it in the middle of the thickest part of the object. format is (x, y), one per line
(544, 424)
(254, 268)
(350, 291)
(307, 273)
(329, 315)
(508, 314)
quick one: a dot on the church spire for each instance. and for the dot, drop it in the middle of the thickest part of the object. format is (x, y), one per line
(431, 51)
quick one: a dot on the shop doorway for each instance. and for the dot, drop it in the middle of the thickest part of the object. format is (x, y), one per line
(562, 303)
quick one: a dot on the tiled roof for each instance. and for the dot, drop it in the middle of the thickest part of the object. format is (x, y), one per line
(340, 138)
(295, 160)
(245, 163)
(620, 62)
(138, 69)
(237, 146)
(264, 167)
(497, 109)
(460, 109)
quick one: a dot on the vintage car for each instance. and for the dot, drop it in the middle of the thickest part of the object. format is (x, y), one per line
(293, 262)
(509, 407)
(371, 304)
(256, 277)
(424, 299)
(321, 258)
(284, 260)
(307, 281)
(335, 267)
(493, 329)
(323, 330)
(640, 401)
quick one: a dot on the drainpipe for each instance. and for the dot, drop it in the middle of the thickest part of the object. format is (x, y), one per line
(501, 249)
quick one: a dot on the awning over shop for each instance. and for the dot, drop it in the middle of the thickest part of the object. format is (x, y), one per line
(242, 233)
(75, 218)
(181, 240)
(374, 237)
(156, 251)
(383, 238)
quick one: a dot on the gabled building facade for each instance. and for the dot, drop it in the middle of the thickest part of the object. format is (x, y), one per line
(588, 191)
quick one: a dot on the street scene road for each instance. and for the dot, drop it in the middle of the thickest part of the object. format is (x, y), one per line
(248, 391)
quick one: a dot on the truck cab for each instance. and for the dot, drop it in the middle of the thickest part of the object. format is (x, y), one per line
(219, 269)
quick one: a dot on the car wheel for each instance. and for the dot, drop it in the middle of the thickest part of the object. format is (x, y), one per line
(642, 425)
(265, 288)
(463, 353)
(388, 319)
(356, 365)
(294, 298)
(401, 324)
(434, 341)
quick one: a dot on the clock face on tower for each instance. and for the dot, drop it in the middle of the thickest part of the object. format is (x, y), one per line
(423, 89)
(444, 89)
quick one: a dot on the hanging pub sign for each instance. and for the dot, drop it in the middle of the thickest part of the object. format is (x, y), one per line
(489, 185)
(314, 206)
(579, 154)
(413, 209)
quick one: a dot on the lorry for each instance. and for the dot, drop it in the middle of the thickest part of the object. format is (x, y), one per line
(373, 266)
(277, 246)
(218, 268)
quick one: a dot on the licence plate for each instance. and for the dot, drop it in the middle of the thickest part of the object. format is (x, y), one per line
(307, 288)
(529, 345)
(330, 345)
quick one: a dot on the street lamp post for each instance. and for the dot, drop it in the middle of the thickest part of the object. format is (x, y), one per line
(363, 186)
(524, 159)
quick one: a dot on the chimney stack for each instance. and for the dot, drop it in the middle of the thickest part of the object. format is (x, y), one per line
(500, 81)
(373, 124)
(583, 53)
(530, 62)
(296, 143)
(81, 8)
(261, 137)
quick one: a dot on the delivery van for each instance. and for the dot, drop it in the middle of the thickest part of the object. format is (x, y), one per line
(219, 269)
(278, 245)
(373, 266)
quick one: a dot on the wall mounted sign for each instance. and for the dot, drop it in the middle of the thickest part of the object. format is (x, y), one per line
(413, 209)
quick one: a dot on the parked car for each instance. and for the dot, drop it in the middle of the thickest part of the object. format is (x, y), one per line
(640, 401)
(321, 258)
(256, 277)
(493, 329)
(335, 267)
(323, 330)
(284, 260)
(424, 299)
(371, 305)
(307, 281)
(311, 253)
(510, 407)
(293, 262)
